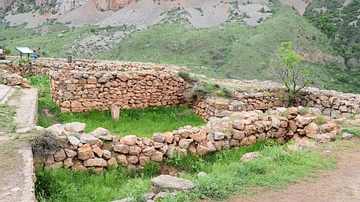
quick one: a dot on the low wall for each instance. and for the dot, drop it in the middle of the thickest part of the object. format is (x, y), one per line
(330, 103)
(87, 84)
(99, 149)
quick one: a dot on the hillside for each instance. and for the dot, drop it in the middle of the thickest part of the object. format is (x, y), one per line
(222, 39)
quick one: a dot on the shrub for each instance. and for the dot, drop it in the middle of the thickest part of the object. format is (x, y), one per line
(185, 75)
(225, 93)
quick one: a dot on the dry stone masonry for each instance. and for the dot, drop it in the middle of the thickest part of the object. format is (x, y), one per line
(86, 84)
(330, 103)
(126, 86)
(99, 149)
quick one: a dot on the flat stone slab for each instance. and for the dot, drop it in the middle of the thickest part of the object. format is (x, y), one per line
(5, 92)
(164, 183)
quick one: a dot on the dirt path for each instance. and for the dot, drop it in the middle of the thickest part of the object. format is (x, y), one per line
(338, 185)
(16, 167)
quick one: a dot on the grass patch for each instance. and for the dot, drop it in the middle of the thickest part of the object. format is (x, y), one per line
(352, 130)
(7, 114)
(319, 120)
(351, 117)
(67, 185)
(140, 122)
(226, 175)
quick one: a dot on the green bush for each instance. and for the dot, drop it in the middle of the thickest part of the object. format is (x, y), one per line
(185, 75)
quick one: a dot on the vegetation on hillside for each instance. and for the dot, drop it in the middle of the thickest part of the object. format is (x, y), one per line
(340, 24)
(231, 50)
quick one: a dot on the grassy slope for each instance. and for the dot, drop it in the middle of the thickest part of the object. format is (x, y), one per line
(239, 47)
(245, 46)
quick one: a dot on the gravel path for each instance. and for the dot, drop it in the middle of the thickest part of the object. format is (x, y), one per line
(338, 185)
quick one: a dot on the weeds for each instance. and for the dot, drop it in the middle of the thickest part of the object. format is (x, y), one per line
(352, 130)
(351, 117)
(185, 75)
(319, 120)
(304, 110)
(226, 175)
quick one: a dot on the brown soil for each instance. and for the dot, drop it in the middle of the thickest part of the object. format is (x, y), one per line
(338, 185)
(11, 175)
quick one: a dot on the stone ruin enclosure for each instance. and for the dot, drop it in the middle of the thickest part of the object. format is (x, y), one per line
(239, 120)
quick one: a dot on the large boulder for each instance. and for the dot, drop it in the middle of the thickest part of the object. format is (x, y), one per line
(12, 79)
(164, 183)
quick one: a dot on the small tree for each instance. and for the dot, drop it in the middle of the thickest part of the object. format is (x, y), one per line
(288, 70)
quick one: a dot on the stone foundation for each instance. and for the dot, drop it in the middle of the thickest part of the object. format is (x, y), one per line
(99, 149)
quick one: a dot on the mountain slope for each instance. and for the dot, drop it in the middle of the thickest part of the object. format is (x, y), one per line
(223, 39)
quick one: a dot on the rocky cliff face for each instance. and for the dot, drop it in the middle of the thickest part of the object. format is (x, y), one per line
(64, 6)
(5, 3)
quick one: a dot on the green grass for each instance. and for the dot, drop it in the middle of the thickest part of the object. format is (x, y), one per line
(140, 122)
(319, 120)
(237, 47)
(352, 130)
(226, 175)
(67, 185)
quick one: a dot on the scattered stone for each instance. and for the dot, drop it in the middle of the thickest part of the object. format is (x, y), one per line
(164, 183)
(74, 127)
(202, 174)
(12, 79)
(56, 128)
(249, 156)
(102, 134)
(89, 139)
(322, 138)
(347, 135)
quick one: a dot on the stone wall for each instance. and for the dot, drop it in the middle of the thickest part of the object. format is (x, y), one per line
(99, 149)
(85, 85)
(88, 84)
(330, 103)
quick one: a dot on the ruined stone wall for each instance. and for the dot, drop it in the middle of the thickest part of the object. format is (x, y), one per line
(99, 149)
(85, 85)
(330, 103)
(126, 86)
